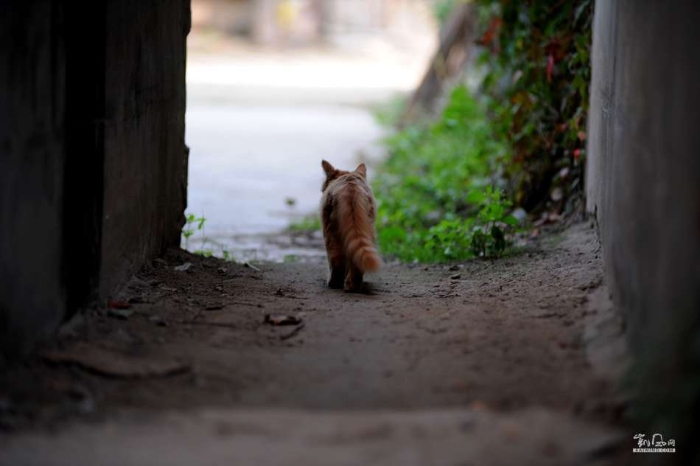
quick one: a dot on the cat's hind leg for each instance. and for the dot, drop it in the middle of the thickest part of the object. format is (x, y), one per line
(353, 279)
(337, 273)
(336, 262)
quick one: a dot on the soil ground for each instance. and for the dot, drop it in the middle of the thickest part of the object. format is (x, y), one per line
(483, 362)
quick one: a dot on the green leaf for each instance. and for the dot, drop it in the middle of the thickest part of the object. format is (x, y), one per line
(476, 197)
(510, 220)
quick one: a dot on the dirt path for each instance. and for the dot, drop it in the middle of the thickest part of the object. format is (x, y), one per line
(433, 365)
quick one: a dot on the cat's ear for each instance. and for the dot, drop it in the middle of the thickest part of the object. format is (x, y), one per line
(362, 170)
(328, 168)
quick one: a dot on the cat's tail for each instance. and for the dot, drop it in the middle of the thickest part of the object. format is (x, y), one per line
(358, 233)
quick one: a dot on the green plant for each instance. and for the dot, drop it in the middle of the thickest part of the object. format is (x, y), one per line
(192, 225)
(424, 213)
(487, 235)
(537, 62)
(521, 143)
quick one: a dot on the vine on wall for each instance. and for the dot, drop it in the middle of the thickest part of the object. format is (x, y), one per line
(537, 57)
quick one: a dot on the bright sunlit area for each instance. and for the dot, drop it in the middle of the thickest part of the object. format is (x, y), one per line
(274, 87)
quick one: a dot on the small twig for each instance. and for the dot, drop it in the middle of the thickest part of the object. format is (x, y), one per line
(251, 266)
(241, 303)
(212, 324)
(293, 332)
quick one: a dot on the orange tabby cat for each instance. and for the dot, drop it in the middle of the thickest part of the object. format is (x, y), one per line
(347, 216)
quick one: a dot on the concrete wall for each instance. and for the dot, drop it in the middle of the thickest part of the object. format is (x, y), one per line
(643, 183)
(32, 124)
(144, 136)
(93, 163)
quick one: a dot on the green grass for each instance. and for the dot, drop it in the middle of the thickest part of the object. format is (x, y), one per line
(439, 193)
(310, 222)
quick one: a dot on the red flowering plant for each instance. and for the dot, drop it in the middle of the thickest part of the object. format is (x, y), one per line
(537, 59)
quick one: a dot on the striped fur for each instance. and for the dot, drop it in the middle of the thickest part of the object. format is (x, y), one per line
(347, 215)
